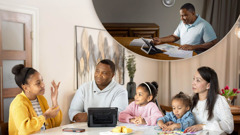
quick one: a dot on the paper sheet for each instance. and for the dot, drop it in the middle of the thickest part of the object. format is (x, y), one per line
(173, 51)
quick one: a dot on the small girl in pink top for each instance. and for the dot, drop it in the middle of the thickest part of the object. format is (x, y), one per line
(143, 110)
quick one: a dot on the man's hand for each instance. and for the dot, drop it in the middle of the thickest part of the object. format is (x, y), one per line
(186, 47)
(156, 41)
(81, 117)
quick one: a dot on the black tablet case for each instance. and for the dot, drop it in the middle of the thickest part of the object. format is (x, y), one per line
(102, 117)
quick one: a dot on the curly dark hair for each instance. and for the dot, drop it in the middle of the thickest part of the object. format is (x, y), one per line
(185, 99)
(153, 87)
(22, 74)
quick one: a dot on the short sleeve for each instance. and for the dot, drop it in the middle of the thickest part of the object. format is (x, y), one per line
(177, 31)
(208, 33)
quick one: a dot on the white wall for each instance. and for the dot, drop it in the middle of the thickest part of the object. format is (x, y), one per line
(146, 69)
(55, 43)
(144, 11)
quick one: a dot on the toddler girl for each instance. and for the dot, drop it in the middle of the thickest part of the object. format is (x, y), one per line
(143, 110)
(181, 117)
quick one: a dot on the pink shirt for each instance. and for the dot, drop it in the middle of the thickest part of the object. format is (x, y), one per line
(149, 112)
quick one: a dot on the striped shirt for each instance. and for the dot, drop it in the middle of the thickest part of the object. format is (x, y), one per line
(38, 110)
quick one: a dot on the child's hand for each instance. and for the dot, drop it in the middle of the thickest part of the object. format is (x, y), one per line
(194, 128)
(173, 126)
(161, 124)
(132, 120)
(140, 120)
(169, 123)
(54, 93)
(51, 112)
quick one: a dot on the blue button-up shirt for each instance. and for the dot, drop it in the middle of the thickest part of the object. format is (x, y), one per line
(187, 119)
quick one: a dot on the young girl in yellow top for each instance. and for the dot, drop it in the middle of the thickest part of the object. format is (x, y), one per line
(29, 111)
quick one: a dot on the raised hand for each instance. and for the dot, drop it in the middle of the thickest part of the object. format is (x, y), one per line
(54, 93)
(51, 112)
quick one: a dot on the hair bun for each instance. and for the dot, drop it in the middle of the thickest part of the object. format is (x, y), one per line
(17, 69)
(180, 92)
(155, 84)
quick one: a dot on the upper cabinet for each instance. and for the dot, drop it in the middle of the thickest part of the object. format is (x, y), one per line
(147, 30)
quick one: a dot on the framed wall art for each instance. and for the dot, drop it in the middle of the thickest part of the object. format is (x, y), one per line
(93, 45)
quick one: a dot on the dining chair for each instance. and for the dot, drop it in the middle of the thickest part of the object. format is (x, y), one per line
(163, 108)
(3, 128)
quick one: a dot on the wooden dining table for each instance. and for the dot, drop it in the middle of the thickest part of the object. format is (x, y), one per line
(125, 41)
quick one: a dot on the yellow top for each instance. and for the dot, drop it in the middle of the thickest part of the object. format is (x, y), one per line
(24, 120)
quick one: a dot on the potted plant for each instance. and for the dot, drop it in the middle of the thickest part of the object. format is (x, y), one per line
(229, 94)
(131, 67)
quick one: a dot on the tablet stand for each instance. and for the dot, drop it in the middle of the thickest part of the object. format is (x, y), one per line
(151, 49)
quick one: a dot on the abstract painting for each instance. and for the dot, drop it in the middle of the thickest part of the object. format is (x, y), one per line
(93, 45)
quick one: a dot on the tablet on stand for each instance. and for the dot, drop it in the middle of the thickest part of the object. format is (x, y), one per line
(151, 49)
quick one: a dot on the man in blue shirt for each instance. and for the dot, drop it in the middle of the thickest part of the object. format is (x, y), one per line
(195, 33)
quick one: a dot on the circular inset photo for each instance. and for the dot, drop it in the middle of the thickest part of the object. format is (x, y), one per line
(167, 29)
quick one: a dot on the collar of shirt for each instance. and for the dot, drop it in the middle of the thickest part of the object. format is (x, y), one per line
(182, 118)
(108, 88)
(186, 114)
(195, 22)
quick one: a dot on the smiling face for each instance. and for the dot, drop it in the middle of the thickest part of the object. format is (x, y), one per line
(199, 85)
(35, 86)
(187, 17)
(103, 75)
(179, 108)
(142, 97)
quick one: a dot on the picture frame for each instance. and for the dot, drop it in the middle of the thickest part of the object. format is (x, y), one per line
(93, 45)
